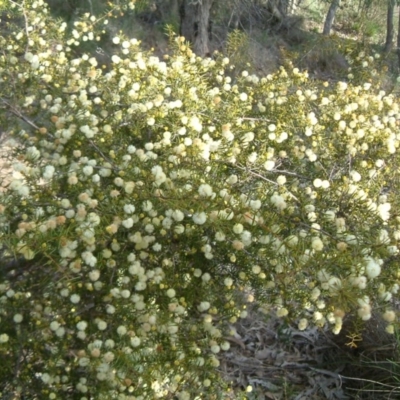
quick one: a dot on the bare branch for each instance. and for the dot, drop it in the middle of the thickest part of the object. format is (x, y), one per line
(19, 114)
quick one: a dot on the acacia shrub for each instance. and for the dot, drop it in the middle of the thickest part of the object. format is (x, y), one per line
(155, 193)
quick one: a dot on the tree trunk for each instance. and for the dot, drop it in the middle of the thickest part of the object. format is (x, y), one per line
(330, 17)
(292, 7)
(284, 6)
(389, 26)
(277, 9)
(196, 24)
(398, 41)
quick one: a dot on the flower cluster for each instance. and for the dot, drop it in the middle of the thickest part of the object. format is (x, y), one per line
(156, 193)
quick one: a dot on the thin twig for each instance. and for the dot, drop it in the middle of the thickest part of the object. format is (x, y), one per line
(368, 380)
(324, 232)
(26, 27)
(23, 8)
(290, 173)
(275, 183)
(256, 119)
(101, 153)
(18, 114)
(90, 6)
(257, 174)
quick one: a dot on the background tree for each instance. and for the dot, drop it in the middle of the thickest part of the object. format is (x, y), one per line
(398, 41)
(195, 24)
(389, 25)
(330, 17)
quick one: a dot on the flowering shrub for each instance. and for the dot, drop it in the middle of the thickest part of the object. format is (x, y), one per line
(158, 197)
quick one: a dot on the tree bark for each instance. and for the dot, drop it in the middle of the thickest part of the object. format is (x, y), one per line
(277, 9)
(292, 6)
(196, 25)
(284, 6)
(330, 17)
(398, 41)
(389, 26)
